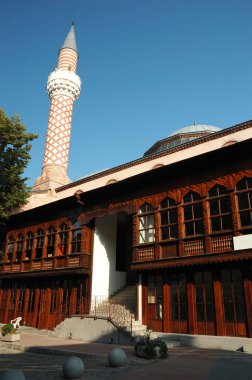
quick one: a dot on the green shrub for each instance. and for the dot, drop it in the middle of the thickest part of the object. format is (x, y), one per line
(149, 347)
(8, 329)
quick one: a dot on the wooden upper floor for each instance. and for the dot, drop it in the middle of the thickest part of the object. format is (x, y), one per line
(177, 215)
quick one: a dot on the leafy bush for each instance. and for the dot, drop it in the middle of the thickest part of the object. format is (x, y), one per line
(148, 347)
(8, 329)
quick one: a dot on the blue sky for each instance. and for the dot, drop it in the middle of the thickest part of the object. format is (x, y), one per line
(148, 67)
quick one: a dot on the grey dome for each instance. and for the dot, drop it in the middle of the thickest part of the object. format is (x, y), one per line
(196, 128)
(182, 136)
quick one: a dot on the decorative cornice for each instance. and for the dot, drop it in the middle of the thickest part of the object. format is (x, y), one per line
(212, 136)
(64, 82)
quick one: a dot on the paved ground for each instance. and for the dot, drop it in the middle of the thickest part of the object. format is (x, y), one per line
(183, 363)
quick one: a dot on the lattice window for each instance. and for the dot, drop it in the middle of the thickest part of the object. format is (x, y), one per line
(146, 223)
(193, 215)
(169, 219)
(220, 209)
(244, 199)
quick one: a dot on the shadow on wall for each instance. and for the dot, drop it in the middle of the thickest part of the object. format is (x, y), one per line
(91, 330)
(106, 231)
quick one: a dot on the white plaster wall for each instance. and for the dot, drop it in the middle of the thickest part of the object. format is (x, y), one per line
(106, 280)
(242, 242)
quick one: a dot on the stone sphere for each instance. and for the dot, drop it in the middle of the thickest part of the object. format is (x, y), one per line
(116, 357)
(73, 367)
(13, 374)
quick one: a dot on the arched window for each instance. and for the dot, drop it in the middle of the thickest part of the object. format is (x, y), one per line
(76, 237)
(169, 219)
(63, 239)
(244, 199)
(20, 245)
(220, 208)
(10, 248)
(40, 243)
(146, 223)
(29, 245)
(193, 215)
(50, 241)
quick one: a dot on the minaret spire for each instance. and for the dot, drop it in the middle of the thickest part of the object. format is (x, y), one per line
(63, 88)
(70, 41)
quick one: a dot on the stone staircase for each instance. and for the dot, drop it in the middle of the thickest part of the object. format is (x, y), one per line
(120, 309)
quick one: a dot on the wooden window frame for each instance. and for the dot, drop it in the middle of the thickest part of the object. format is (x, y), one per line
(167, 210)
(51, 240)
(76, 236)
(20, 247)
(63, 240)
(194, 221)
(10, 248)
(247, 190)
(221, 194)
(146, 224)
(29, 244)
(40, 243)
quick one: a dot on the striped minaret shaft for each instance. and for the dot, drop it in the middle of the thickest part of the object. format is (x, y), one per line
(63, 88)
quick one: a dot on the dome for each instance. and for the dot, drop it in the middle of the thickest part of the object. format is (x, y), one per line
(196, 128)
(182, 136)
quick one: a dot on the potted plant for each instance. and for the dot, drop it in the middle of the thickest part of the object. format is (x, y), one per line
(148, 348)
(10, 333)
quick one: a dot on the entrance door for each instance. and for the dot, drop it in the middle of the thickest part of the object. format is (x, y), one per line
(155, 303)
(204, 297)
(30, 309)
(42, 310)
(233, 303)
(178, 303)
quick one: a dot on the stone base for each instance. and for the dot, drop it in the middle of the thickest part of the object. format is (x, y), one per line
(11, 338)
(53, 176)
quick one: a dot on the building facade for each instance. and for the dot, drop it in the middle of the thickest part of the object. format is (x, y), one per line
(176, 224)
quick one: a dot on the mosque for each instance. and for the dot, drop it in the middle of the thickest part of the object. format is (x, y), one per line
(167, 237)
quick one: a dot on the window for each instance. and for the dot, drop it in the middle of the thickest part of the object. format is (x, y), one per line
(233, 296)
(204, 296)
(193, 215)
(20, 244)
(146, 223)
(244, 198)
(178, 297)
(155, 295)
(169, 219)
(29, 245)
(63, 239)
(50, 241)
(10, 248)
(220, 209)
(40, 243)
(76, 237)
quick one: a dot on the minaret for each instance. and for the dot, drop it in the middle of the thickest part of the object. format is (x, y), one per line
(63, 88)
